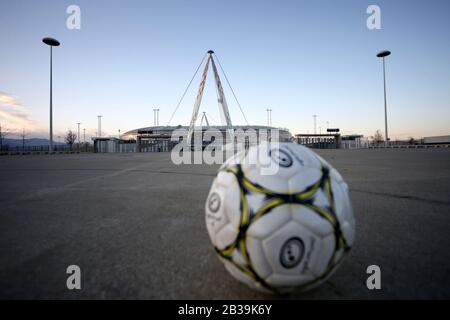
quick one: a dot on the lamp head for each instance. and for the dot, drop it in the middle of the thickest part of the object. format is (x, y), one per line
(383, 54)
(51, 42)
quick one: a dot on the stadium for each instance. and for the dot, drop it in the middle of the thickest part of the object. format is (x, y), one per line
(160, 138)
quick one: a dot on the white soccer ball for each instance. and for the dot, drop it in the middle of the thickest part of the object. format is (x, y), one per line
(283, 230)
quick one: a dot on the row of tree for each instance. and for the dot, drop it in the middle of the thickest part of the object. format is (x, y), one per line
(70, 138)
(378, 138)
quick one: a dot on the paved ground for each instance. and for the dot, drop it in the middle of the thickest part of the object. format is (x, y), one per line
(135, 225)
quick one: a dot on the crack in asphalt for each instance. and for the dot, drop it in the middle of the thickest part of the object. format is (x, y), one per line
(400, 196)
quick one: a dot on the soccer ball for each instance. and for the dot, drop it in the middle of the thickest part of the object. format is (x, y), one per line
(283, 230)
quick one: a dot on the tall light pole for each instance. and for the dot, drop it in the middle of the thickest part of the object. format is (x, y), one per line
(384, 54)
(156, 117)
(99, 133)
(315, 122)
(79, 136)
(51, 43)
(269, 117)
(84, 135)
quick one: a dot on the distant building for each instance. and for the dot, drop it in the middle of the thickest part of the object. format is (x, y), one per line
(436, 140)
(319, 141)
(158, 138)
(110, 145)
(354, 141)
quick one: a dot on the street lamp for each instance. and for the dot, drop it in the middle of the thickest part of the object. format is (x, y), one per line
(84, 139)
(99, 133)
(269, 117)
(315, 123)
(156, 117)
(79, 137)
(384, 54)
(51, 43)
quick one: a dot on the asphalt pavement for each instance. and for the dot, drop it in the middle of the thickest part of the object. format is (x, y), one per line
(134, 223)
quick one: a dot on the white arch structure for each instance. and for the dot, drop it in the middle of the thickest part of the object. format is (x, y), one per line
(223, 107)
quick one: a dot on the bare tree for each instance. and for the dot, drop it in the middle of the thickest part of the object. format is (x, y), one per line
(70, 138)
(411, 140)
(377, 137)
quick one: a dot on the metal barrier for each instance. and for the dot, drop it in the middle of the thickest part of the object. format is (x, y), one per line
(57, 149)
(354, 144)
(413, 146)
(156, 145)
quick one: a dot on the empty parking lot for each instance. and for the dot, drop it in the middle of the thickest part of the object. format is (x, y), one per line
(134, 223)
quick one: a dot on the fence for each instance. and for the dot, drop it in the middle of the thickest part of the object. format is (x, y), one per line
(371, 145)
(6, 149)
(355, 144)
(410, 146)
(156, 145)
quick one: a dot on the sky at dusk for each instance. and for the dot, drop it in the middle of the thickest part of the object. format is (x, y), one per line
(298, 58)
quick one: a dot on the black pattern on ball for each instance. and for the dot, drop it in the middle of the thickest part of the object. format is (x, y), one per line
(214, 202)
(291, 253)
(281, 157)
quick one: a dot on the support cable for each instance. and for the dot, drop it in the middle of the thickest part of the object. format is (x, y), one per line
(211, 118)
(184, 93)
(229, 85)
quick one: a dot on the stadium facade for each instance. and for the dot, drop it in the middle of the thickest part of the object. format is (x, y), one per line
(166, 132)
(163, 138)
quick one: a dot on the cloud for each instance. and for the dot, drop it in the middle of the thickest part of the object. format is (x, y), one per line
(16, 117)
(13, 114)
(7, 100)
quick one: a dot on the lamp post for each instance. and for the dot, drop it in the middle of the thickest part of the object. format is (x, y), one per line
(382, 55)
(156, 117)
(269, 117)
(79, 136)
(51, 43)
(99, 133)
(315, 121)
(84, 139)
